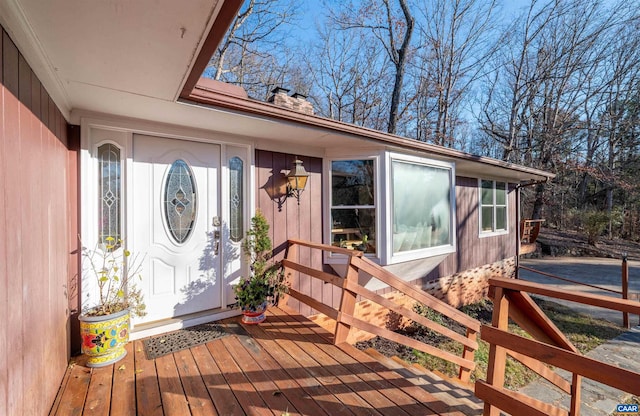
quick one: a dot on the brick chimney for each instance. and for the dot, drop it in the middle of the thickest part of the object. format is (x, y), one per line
(297, 102)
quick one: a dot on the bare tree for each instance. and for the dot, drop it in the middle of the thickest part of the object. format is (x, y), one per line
(560, 52)
(392, 25)
(455, 43)
(249, 54)
(349, 77)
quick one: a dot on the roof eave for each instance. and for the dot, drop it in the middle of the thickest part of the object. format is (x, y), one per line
(206, 94)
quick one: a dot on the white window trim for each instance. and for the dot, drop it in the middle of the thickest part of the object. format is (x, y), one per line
(494, 232)
(390, 257)
(331, 258)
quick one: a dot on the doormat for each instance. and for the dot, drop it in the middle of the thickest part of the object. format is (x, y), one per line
(171, 342)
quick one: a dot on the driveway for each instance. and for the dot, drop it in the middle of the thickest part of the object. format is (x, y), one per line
(597, 271)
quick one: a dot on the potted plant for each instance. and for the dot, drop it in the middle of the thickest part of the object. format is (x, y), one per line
(104, 327)
(266, 281)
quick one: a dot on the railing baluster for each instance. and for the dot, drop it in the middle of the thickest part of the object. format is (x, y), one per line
(347, 304)
(468, 354)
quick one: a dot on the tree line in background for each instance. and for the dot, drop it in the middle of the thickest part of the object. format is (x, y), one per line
(553, 85)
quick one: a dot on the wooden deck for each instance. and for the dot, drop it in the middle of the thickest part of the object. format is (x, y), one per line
(287, 364)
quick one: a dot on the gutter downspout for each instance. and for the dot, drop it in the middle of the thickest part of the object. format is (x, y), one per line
(518, 219)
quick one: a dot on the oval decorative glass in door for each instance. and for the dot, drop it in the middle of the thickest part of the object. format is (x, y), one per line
(180, 201)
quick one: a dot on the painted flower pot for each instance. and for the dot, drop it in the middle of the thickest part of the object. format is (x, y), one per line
(254, 315)
(104, 337)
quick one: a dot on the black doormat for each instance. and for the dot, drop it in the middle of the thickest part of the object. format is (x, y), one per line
(171, 342)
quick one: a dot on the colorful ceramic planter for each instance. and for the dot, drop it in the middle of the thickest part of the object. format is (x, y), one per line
(104, 338)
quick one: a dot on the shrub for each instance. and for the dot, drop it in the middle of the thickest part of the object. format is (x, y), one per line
(595, 222)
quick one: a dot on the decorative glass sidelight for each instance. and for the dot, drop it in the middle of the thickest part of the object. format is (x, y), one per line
(236, 199)
(109, 185)
(180, 201)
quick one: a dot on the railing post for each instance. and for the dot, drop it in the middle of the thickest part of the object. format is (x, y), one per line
(468, 354)
(625, 288)
(347, 304)
(497, 354)
(576, 395)
(290, 253)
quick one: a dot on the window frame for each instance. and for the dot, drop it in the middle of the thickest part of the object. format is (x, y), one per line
(333, 258)
(494, 231)
(423, 253)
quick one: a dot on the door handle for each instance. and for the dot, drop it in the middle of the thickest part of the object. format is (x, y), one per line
(216, 235)
(216, 242)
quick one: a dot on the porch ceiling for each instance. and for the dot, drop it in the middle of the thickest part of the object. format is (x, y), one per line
(98, 54)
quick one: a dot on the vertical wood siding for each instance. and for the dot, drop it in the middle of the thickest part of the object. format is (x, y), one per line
(36, 210)
(290, 220)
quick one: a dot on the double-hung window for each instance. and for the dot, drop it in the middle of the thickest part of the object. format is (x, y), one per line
(353, 204)
(493, 207)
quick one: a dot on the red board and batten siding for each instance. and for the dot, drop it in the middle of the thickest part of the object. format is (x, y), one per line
(290, 220)
(37, 209)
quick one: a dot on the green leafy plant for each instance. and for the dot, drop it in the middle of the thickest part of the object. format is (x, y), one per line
(266, 282)
(116, 271)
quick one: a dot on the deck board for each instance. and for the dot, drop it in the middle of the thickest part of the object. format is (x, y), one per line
(402, 400)
(221, 395)
(174, 399)
(98, 402)
(242, 388)
(195, 389)
(148, 400)
(286, 364)
(311, 387)
(74, 394)
(329, 361)
(123, 393)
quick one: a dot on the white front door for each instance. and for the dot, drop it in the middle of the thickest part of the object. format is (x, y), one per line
(175, 217)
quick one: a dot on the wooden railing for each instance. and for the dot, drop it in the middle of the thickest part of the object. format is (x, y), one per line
(624, 291)
(548, 346)
(352, 291)
(529, 230)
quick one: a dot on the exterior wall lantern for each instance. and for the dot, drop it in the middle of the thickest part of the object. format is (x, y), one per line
(297, 180)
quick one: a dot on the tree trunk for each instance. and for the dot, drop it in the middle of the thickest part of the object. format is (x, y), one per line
(400, 62)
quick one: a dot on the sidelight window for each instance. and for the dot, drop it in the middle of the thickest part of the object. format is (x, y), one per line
(110, 191)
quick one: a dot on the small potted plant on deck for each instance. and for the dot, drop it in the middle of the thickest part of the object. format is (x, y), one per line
(266, 281)
(104, 327)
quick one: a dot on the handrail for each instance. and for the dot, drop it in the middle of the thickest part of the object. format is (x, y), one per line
(617, 377)
(324, 247)
(548, 346)
(622, 305)
(351, 290)
(564, 279)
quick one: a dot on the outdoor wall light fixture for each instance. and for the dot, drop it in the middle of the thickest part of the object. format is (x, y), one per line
(297, 180)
